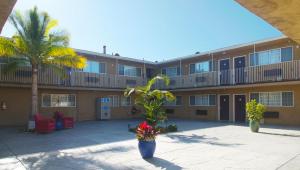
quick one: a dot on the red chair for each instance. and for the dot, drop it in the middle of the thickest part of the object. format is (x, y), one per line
(68, 122)
(43, 125)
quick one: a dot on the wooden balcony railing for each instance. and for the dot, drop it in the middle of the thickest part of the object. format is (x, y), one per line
(286, 71)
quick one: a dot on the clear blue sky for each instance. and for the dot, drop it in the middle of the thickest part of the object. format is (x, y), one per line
(152, 29)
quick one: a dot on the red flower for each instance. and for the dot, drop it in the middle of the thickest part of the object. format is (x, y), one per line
(146, 131)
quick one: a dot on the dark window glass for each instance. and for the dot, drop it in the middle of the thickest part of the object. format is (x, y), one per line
(46, 100)
(210, 65)
(192, 100)
(163, 71)
(212, 100)
(254, 96)
(121, 69)
(178, 100)
(287, 99)
(286, 54)
(253, 59)
(138, 72)
(192, 68)
(102, 67)
(178, 71)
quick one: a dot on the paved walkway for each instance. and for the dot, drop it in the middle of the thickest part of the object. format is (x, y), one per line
(108, 145)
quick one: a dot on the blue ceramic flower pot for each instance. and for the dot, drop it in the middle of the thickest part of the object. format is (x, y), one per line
(147, 148)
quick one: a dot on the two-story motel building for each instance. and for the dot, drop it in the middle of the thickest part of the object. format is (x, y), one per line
(214, 85)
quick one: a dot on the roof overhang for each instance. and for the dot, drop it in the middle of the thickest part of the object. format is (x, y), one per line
(282, 14)
(6, 7)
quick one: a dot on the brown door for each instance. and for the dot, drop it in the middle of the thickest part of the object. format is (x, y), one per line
(240, 108)
(224, 107)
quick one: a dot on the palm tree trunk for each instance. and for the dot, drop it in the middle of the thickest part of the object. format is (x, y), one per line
(34, 96)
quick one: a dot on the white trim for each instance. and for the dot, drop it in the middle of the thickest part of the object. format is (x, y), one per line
(226, 49)
(124, 70)
(123, 97)
(166, 71)
(249, 55)
(43, 106)
(113, 56)
(175, 102)
(81, 70)
(113, 101)
(202, 95)
(200, 61)
(280, 98)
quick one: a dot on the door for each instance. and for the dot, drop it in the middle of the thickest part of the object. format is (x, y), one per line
(240, 108)
(224, 107)
(105, 109)
(239, 70)
(224, 72)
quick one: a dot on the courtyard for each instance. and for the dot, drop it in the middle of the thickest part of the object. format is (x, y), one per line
(109, 145)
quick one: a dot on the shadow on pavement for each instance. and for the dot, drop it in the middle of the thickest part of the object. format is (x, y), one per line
(163, 164)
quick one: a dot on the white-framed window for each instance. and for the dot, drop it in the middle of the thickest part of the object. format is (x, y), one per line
(203, 100)
(125, 101)
(129, 70)
(95, 67)
(171, 71)
(201, 67)
(274, 99)
(271, 56)
(176, 102)
(114, 101)
(58, 100)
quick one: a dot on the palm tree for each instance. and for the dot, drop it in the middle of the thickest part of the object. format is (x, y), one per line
(38, 45)
(151, 99)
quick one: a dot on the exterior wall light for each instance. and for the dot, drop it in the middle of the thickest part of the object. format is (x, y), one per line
(3, 105)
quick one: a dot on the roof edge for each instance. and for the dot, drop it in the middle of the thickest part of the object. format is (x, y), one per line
(223, 49)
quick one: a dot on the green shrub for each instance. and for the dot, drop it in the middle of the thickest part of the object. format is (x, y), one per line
(172, 128)
(255, 110)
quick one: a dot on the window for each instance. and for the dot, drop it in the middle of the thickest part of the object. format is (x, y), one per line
(201, 67)
(171, 71)
(95, 67)
(58, 100)
(286, 54)
(287, 99)
(176, 102)
(129, 70)
(271, 56)
(125, 101)
(275, 99)
(203, 100)
(114, 101)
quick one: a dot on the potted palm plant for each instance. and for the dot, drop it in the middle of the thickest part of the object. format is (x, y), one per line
(255, 114)
(152, 101)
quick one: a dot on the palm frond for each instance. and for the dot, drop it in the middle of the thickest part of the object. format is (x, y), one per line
(13, 64)
(7, 48)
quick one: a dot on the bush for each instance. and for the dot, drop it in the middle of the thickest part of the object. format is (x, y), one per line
(162, 130)
(172, 128)
(255, 110)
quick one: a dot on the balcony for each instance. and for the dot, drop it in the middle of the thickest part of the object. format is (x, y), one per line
(48, 77)
(286, 71)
